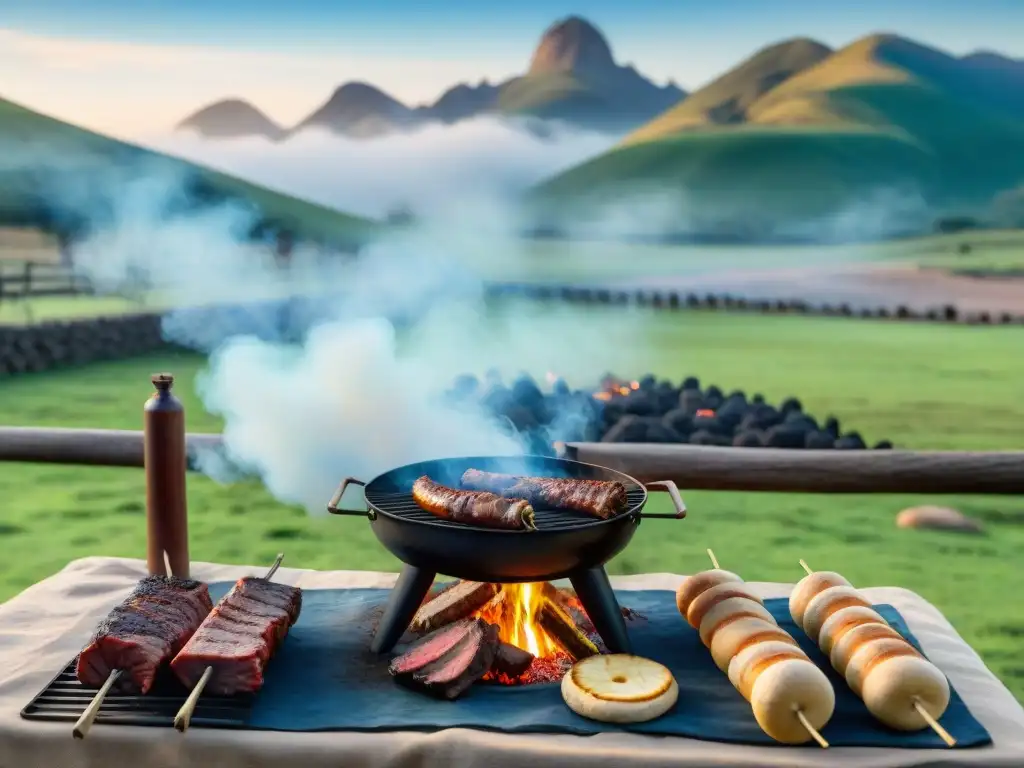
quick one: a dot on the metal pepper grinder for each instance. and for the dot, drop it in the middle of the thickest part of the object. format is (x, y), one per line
(165, 463)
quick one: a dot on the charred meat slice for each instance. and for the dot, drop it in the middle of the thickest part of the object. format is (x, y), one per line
(239, 637)
(600, 498)
(456, 602)
(147, 629)
(447, 662)
(481, 508)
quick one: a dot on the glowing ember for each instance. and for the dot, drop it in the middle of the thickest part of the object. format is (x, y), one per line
(704, 413)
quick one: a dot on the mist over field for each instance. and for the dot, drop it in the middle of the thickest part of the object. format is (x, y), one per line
(430, 170)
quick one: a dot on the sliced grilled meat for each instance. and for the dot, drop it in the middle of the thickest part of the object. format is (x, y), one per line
(447, 662)
(147, 629)
(239, 637)
(600, 498)
(473, 507)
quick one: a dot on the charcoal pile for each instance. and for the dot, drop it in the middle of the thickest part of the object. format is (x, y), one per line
(649, 410)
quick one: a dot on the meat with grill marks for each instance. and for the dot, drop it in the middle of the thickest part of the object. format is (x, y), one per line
(146, 630)
(239, 637)
(481, 508)
(600, 498)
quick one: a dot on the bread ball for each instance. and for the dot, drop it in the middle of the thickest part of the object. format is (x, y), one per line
(734, 636)
(808, 587)
(854, 639)
(709, 598)
(827, 602)
(729, 610)
(842, 621)
(749, 663)
(895, 683)
(783, 689)
(698, 583)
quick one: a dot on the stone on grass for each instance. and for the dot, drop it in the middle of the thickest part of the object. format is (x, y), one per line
(937, 518)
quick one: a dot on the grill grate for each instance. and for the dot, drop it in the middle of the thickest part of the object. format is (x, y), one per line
(64, 700)
(547, 519)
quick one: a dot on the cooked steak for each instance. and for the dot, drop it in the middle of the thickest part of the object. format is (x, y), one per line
(147, 629)
(430, 648)
(239, 636)
(449, 675)
(456, 602)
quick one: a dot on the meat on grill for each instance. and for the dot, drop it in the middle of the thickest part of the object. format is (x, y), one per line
(447, 662)
(473, 507)
(600, 498)
(239, 636)
(145, 630)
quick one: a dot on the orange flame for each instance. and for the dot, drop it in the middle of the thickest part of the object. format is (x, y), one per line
(704, 413)
(514, 612)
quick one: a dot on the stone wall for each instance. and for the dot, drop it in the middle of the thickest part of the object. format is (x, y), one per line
(55, 344)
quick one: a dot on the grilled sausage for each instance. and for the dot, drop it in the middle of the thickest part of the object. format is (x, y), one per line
(473, 507)
(600, 498)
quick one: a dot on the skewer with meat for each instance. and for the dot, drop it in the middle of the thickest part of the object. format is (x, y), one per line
(137, 637)
(231, 648)
(481, 508)
(600, 498)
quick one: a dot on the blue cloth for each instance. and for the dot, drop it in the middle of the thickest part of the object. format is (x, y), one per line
(325, 678)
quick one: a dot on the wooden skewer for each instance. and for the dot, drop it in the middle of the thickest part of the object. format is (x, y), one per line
(184, 716)
(714, 560)
(811, 729)
(86, 720)
(945, 735)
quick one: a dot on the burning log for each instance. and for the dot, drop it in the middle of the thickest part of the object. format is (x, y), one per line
(511, 662)
(560, 626)
(459, 601)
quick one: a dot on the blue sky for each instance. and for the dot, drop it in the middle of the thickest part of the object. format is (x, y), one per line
(136, 66)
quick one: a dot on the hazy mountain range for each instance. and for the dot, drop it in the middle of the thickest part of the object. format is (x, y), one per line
(572, 76)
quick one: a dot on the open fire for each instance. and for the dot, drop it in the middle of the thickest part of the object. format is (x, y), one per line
(547, 623)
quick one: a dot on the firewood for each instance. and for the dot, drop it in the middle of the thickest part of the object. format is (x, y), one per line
(511, 661)
(457, 602)
(557, 623)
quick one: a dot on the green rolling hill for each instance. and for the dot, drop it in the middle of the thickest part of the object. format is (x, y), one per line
(57, 176)
(884, 113)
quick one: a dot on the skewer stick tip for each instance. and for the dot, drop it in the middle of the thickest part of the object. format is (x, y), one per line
(184, 716)
(714, 560)
(806, 567)
(276, 564)
(933, 723)
(85, 722)
(811, 729)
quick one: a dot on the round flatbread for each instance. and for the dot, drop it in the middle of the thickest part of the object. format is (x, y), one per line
(619, 688)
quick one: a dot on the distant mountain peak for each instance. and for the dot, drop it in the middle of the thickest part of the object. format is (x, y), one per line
(572, 45)
(231, 118)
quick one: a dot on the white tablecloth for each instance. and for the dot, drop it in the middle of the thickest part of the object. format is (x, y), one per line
(43, 627)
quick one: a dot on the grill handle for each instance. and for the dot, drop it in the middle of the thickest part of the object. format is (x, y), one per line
(673, 493)
(332, 505)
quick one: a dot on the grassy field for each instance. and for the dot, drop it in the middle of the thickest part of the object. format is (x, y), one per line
(921, 386)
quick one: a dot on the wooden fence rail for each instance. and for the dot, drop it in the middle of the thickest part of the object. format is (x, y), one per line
(690, 466)
(29, 280)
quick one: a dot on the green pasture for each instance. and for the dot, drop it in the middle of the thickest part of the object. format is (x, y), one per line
(923, 386)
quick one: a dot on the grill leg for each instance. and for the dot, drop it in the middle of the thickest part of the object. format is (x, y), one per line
(595, 592)
(406, 598)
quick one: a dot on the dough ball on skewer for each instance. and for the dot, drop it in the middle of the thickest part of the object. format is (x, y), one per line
(892, 686)
(872, 653)
(701, 582)
(729, 610)
(809, 586)
(748, 664)
(826, 603)
(709, 598)
(785, 688)
(842, 621)
(735, 636)
(855, 639)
